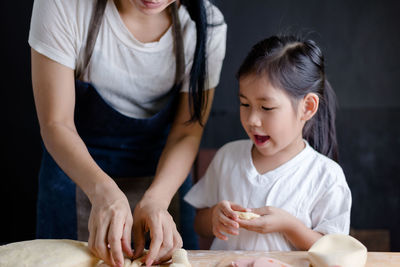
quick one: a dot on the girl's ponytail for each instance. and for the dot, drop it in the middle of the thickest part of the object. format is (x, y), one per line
(320, 131)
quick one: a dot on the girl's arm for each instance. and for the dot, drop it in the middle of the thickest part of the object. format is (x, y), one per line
(54, 93)
(174, 165)
(278, 220)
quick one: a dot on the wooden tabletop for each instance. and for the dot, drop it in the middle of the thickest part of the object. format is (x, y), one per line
(296, 258)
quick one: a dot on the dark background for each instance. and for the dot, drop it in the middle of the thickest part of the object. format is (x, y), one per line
(361, 42)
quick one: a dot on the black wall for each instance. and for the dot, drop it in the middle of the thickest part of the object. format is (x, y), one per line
(361, 42)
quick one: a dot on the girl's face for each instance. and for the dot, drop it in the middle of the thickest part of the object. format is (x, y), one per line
(270, 119)
(151, 7)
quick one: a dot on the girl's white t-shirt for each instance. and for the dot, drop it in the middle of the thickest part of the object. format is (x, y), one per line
(309, 186)
(124, 70)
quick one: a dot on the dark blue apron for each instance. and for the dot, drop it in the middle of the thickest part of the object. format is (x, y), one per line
(122, 146)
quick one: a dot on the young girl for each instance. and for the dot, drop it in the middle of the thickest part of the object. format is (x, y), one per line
(286, 172)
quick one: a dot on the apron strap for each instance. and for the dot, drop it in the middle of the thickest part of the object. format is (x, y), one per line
(178, 43)
(94, 27)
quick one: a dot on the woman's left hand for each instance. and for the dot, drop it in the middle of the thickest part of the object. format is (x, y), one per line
(272, 220)
(153, 217)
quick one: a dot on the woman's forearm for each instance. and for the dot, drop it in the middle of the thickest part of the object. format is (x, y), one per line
(70, 153)
(174, 166)
(179, 153)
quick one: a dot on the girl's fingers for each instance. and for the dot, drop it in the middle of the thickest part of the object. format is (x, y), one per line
(228, 222)
(228, 229)
(219, 235)
(239, 208)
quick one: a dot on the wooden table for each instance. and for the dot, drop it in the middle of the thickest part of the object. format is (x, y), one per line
(296, 258)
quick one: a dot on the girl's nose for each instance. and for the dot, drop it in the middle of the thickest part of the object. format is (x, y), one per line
(254, 119)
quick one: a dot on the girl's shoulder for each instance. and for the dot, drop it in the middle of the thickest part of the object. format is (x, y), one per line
(329, 171)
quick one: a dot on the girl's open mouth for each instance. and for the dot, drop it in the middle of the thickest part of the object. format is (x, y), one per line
(261, 139)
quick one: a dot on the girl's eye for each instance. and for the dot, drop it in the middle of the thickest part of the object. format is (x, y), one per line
(244, 105)
(266, 108)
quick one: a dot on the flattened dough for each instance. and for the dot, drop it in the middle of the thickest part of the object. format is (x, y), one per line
(47, 252)
(246, 215)
(65, 253)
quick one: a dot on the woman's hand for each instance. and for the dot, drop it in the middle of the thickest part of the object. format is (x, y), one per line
(110, 225)
(151, 216)
(224, 219)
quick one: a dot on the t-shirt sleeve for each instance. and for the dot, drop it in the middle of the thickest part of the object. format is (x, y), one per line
(205, 192)
(331, 214)
(52, 31)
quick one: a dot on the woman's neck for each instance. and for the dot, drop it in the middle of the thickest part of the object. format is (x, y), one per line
(145, 28)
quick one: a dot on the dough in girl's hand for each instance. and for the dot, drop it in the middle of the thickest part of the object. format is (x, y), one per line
(246, 215)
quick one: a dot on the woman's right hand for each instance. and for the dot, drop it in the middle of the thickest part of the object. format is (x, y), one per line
(110, 226)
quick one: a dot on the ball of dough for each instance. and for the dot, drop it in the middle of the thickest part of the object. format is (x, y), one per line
(246, 215)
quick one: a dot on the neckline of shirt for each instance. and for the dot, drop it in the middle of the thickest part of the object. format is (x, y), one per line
(128, 39)
(277, 172)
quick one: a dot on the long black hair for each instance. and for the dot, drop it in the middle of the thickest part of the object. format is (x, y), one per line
(198, 73)
(297, 66)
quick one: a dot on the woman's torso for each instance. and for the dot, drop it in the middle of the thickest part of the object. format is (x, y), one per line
(122, 69)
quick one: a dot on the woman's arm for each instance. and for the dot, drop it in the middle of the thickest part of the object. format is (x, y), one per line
(54, 93)
(174, 165)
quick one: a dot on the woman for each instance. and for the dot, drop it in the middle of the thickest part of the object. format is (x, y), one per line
(120, 89)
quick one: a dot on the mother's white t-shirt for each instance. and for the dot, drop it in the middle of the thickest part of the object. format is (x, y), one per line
(124, 70)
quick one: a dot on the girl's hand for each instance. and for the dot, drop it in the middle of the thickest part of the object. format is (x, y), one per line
(272, 220)
(165, 239)
(110, 225)
(224, 219)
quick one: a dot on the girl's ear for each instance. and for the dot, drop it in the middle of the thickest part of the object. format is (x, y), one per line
(310, 106)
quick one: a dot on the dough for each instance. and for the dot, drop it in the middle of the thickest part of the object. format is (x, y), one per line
(337, 250)
(180, 258)
(246, 215)
(65, 253)
(47, 252)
